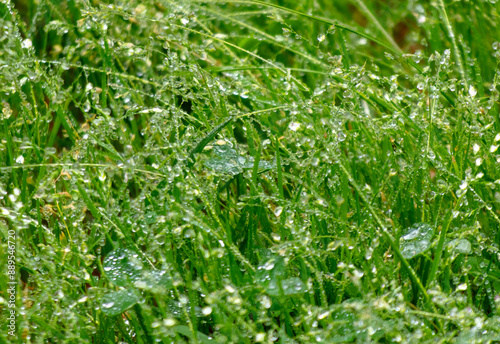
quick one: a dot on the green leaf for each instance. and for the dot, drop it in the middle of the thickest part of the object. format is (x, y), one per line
(157, 282)
(291, 286)
(343, 323)
(186, 331)
(460, 246)
(117, 302)
(271, 269)
(90, 204)
(109, 149)
(123, 267)
(199, 147)
(270, 276)
(416, 239)
(229, 162)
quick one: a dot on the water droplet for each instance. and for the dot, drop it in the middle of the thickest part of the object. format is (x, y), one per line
(108, 305)
(472, 91)
(269, 265)
(26, 44)
(260, 337)
(86, 106)
(230, 289)
(266, 302)
(50, 151)
(476, 148)
(369, 253)
(7, 112)
(169, 322)
(294, 126)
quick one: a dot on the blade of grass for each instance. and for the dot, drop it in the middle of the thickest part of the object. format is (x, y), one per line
(392, 241)
(321, 20)
(377, 24)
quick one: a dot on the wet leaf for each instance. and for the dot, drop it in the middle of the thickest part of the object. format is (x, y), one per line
(229, 162)
(344, 328)
(224, 166)
(270, 270)
(186, 331)
(154, 281)
(291, 286)
(460, 246)
(123, 267)
(415, 240)
(270, 275)
(199, 147)
(117, 302)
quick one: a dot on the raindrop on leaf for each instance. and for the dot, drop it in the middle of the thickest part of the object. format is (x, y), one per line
(416, 240)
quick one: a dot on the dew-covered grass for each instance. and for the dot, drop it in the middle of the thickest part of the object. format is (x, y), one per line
(250, 171)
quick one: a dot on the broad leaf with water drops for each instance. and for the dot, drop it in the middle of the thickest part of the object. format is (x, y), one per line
(228, 161)
(343, 323)
(157, 282)
(460, 246)
(270, 271)
(123, 267)
(270, 275)
(290, 286)
(415, 240)
(186, 331)
(117, 302)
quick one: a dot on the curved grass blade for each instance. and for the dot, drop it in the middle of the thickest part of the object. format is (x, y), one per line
(342, 26)
(199, 147)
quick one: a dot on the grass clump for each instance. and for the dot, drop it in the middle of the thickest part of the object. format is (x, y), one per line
(250, 171)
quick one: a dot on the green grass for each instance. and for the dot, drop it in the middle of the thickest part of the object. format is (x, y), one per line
(250, 171)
